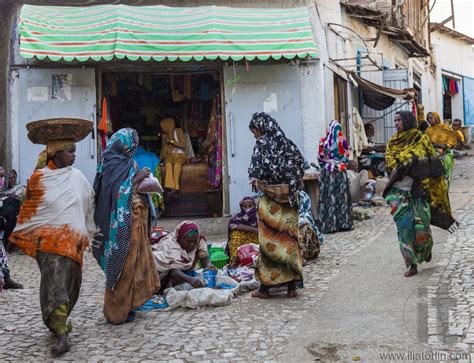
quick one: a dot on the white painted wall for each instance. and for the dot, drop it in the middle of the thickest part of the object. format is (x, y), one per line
(430, 97)
(453, 54)
(312, 108)
(456, 56)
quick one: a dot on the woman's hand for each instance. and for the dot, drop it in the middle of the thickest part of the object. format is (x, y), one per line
(142, 174)
(232, 227)
(195, 282)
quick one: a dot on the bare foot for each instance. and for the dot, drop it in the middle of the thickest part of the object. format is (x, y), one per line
(69, 327)
(260, 295)
(411, 271)
(292, 294)
(428, 259)
(12, 284)
(60, 347)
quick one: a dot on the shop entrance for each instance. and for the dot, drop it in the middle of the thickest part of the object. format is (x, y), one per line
(142, 100)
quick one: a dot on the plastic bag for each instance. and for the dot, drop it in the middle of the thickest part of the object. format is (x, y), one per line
(205, 296)
(247, 254)
(149, 185)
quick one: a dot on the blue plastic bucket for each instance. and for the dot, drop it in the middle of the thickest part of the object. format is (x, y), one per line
(209, 276)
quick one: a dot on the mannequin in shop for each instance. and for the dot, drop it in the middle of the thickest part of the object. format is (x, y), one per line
(173, 152)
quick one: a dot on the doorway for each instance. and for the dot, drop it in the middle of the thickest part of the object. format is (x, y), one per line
(341, 105)
(141, 100)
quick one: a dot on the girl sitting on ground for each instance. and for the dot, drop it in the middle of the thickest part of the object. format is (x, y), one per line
(177, 254)
(243, 228)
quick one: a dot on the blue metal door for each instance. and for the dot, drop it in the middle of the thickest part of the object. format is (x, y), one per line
(270, 88)
(468, 91)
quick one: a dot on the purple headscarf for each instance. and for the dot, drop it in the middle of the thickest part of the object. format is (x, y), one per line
(245, 218)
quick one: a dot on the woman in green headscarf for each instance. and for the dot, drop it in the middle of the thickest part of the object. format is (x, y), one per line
(416, 191)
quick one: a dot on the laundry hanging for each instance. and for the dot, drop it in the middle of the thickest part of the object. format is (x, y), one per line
(450, 86)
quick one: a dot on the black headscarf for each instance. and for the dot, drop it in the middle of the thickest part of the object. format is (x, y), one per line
(276, 159)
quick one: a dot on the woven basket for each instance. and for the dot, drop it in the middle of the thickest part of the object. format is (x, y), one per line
(43, 131)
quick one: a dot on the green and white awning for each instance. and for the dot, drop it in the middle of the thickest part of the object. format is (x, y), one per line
(160, 33)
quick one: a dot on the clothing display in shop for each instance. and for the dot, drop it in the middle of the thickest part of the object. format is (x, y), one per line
(173, 152)
(105, 126)
(181, 87)
(178, 118)
(189, 146)
(214, 145)
(450, 86)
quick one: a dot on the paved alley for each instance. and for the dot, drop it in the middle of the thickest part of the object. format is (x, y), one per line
(356, 305)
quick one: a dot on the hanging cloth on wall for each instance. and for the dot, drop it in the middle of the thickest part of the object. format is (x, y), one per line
(445, 86)
(450, 86)
(177, 88)
(188, 90)
(105, 126)
(214, 145)
(189, 146)
(453, 87)
(360, 141)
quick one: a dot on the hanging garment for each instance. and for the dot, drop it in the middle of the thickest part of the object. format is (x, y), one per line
(189, 146)
(177, 88)
(188, 91)
(105, 125)
(360, 141)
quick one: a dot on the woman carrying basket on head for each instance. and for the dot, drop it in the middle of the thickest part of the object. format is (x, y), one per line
(55, 226)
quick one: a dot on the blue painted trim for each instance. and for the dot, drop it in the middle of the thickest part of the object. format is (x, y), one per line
(358, 70)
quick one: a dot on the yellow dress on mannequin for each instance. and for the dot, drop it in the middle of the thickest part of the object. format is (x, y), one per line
(173, 152)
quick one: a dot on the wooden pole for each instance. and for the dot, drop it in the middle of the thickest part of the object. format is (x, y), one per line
(452, 13)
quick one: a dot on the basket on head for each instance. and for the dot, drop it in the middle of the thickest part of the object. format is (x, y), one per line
(44, 131)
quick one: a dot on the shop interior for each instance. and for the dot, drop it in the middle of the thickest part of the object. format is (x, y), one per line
(193, 101)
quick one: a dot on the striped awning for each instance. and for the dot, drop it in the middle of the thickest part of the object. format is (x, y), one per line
(105, 32)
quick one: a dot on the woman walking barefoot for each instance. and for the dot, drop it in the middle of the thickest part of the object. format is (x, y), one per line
(276, 170)
(416, 191)
(55, 226)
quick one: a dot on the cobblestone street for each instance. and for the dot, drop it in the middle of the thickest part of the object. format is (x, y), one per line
(249, 329)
